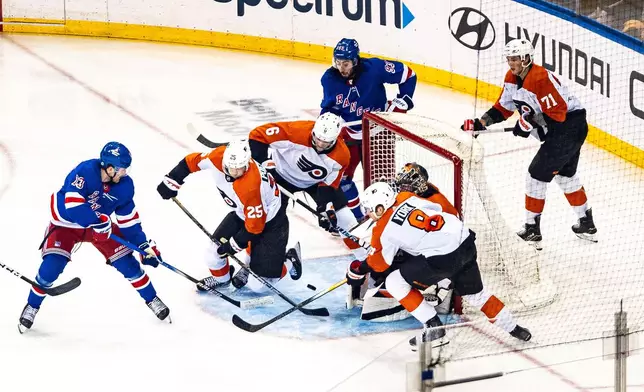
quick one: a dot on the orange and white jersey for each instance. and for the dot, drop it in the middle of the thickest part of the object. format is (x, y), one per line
(540, 94)
(440, 199)
(295, 158)
(416, 226)
(254, 196)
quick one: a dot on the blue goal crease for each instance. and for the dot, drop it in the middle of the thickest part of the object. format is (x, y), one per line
(321, 273)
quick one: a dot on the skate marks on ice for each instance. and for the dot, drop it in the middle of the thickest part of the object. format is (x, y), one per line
(321, 273)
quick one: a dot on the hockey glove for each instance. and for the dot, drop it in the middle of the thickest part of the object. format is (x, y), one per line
(524, 126)
(269, 165)
(168, 188)
(327, 218)
(400, 105)
(153, 257)
(103, 230)
(356, 273)
(228, 247)
(473, 125)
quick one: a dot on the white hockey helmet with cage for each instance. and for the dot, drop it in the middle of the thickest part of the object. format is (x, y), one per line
(378, 194)
(327, 127)
(519, 47)
(237, 155)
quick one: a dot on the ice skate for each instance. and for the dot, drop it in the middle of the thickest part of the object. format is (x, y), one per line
(521, 333)
(436, 336)
(241, 278)
(212, 283)
(294, 254)
(160, 309)
(585, 227)
(531, 233)
(27, 318)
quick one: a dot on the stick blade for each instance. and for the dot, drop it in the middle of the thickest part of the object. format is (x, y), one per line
(245, 325)
(323, 312)
(63, 288)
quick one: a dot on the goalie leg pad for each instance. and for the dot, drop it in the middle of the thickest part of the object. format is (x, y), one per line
(410, 298)
(382, 309)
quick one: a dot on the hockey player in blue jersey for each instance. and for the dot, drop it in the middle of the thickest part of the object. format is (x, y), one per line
(81, 212)
(355, 85)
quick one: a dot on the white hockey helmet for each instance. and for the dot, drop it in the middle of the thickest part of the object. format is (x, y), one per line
(519, 47)
(378, 194)
(327, 128)
(237, 155)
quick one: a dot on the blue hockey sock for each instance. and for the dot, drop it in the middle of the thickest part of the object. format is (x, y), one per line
(351, 192)
(51, 267)
(132, 271)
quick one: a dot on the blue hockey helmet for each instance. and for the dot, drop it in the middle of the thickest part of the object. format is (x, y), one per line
(347, 49)
(116, 155)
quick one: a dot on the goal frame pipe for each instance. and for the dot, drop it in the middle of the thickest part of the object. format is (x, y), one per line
(368, 118)
(398, 130)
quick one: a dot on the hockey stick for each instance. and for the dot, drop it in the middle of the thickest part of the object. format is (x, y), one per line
(246, 326)
(314, 212)
(491, 130)
(246, 304)
(310, 312)
(53, 291)
(210, 144)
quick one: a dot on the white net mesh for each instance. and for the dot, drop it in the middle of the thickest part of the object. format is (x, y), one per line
(454, 161)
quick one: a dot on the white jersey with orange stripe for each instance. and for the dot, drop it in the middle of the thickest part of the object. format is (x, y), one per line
(416, 226)
(254, 196)
(540, 94)
(295, 158)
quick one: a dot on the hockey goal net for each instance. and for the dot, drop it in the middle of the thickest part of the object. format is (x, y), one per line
(454, 161)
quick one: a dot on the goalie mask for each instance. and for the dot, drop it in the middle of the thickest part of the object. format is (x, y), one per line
(412, 178)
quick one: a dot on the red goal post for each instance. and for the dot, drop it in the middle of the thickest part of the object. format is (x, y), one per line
(454, 161)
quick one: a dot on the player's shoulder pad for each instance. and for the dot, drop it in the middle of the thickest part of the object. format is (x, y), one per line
(510, 77)
(538, 72)
(128, 184)
(329, 75)
(341, 152)
(371, 63)
(89, 170)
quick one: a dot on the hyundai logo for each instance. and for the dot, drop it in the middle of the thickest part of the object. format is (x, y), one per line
(472, 28)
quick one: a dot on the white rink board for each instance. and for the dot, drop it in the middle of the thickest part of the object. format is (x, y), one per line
(426, 40)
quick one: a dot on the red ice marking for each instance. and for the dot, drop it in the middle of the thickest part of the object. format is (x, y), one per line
(100, 95)
(531, 359)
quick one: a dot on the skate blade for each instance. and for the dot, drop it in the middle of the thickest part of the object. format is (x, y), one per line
(535, 244)
(588, 237)
(22, 329)
(435, 343)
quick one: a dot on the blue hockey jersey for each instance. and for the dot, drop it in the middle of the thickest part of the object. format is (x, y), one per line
(351, 98)
(83, 197)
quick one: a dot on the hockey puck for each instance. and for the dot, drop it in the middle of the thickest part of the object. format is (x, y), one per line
(310, 286)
